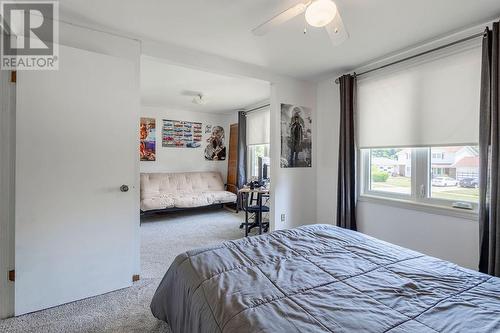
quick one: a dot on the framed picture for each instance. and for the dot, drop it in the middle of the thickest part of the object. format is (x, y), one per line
(147, 136)
(181, 134)
(296, 136)
(216, 148)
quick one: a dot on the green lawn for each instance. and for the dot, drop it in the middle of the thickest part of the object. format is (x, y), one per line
(393, 182)
(403, 185)
(399, 181)
(456, 194)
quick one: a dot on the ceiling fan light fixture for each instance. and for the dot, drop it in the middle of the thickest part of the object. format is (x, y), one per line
(320, 12)
(199, 99)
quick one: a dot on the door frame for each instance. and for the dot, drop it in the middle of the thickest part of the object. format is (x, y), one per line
(7, 197)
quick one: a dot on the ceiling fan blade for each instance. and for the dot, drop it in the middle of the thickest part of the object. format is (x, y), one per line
(337, 31)
(282, 17)
(191, 93)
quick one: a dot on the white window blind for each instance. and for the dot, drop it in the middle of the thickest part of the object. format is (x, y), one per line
(431, 101)
(258, 127)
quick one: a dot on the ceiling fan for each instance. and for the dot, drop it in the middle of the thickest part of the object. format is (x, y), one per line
(197, 97)
(318, 13)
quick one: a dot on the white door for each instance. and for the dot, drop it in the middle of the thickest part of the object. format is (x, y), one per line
(77, 234)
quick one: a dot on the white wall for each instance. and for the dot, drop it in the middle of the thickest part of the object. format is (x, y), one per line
(328, 102)
(186, 159)
(446, 237)
(293, 190)
(450, 238)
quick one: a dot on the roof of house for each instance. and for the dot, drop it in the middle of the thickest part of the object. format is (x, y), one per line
(467, 162)
(442, 165)
(450, 149)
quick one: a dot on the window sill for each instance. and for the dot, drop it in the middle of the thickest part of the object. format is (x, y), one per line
(423, 207)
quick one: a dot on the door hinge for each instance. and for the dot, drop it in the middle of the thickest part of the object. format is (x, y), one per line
(13, 76)
(12, 275)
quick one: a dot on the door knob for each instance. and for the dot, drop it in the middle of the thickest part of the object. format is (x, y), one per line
(124, 188)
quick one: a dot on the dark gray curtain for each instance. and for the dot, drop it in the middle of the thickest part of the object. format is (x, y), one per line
(242, 149)
(489, 152)
(346, 188)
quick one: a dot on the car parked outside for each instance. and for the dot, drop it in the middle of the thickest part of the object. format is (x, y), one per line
(469, 182)
(444, 181)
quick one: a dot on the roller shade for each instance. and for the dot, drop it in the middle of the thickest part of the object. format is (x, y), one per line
(434, 101)
(258, 127)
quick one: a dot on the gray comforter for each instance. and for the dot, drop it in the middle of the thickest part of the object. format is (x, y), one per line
(323, 279)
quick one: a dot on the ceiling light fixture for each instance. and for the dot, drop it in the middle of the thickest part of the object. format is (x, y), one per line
(199, 99)
(321, 12)
(318, 13)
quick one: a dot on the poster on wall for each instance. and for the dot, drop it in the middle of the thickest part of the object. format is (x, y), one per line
(216, 149)
(181, 134)
(296, 136)
(147, 136)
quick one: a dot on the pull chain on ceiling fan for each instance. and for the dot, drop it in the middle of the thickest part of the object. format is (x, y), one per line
(318, 13)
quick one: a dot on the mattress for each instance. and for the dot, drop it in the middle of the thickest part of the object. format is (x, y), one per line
(322, 278)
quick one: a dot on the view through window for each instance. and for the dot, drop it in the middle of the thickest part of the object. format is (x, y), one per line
(455, 173)
(444, 173)
(254, 152)
(390, 170)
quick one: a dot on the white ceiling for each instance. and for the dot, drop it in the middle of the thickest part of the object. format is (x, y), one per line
(172, 86)
(222, 27)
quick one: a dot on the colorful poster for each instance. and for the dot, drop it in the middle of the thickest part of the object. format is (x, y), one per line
(216, 149)
(296, 136)
(147, 135)
(181, 134)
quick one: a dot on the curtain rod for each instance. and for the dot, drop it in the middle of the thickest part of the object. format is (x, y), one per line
(481, 34)
(257, 108)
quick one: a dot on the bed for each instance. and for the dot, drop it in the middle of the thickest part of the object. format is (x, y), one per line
(322, 278)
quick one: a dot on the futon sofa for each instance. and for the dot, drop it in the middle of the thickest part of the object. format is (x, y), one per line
(177, 191)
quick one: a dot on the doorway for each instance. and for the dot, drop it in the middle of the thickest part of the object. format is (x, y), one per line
(196, 115)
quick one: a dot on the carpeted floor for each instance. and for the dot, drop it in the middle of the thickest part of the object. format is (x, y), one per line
(127, 310)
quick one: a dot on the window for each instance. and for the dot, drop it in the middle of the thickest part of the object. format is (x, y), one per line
(443, 176)
(258, 138)
(437, 156)
(254, 152)
(414, 122)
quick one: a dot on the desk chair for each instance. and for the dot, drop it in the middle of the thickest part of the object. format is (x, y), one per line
(254, 209)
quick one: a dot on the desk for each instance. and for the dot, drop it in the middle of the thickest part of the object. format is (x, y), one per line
(259, 190)
(243, 197)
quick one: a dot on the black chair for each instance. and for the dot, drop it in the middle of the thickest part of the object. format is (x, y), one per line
(254, 209)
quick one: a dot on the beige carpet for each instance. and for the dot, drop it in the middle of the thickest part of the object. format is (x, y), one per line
(127, 310)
